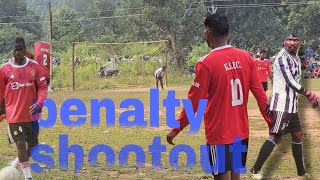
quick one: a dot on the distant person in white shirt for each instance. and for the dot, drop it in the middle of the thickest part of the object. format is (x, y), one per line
(159, 74)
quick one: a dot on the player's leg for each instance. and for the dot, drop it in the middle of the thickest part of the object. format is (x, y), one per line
(297, 136)
(48, 84)
(225, 176)
(161, 83)
(279, 124)
(18, 133)
(235, 174)
(157, 82)
(32, 138)
(220, 156)
(2, 111)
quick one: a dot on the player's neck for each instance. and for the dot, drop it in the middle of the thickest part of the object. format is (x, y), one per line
(217, 45)
(218, 42)
(19, 62)
(294, 54)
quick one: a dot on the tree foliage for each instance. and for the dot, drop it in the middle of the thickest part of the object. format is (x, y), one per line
(179, 21)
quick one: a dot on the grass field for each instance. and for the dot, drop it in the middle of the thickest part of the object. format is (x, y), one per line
(279, 166)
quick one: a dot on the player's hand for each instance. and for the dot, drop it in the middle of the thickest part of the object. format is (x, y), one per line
(35, 108)
(2, 116)
(312, 98)
(170, 137)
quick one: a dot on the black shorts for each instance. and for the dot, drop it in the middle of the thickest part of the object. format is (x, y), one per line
(159, 78)
(284, 123)
(3, 107)
(28, 131)
(216, 160)
(265, 86)
(48, 81)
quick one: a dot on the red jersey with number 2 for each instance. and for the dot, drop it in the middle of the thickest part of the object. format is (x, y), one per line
(42, 56)
(224, 77)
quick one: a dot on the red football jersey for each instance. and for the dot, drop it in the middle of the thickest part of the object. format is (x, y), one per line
(264, 69)
(18, 87)
(224, 77)
(42, 56)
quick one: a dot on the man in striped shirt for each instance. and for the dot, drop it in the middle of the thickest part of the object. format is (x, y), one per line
(283, 106)
(159, 74)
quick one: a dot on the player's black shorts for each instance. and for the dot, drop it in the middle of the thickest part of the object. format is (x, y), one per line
(265, 86)
(48, 81)
(284, 123)
(215, 157)
(159, 78)
(28, 131)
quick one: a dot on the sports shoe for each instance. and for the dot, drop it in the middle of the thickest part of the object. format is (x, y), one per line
(307, 176)
(256, 175)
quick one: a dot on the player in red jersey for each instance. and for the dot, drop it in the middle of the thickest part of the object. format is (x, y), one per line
(19, 81)
(19, 41)
(224, 77)
(264, 69)
(42, 56)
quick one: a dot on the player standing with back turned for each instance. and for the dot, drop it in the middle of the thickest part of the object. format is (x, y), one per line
(224, 77)
(283, 105)
(19, 81)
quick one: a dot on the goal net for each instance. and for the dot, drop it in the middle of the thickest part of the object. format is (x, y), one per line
(110, 65)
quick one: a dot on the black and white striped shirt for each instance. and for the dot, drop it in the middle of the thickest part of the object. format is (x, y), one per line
(286, 83)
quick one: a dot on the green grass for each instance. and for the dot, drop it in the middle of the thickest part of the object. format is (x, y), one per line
(279, 166)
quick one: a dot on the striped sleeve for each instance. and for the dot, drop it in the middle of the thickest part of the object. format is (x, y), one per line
(291, 82)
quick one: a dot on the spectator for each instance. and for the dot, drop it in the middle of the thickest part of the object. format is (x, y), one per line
(309, 52)
(318, 51)
(268, 52)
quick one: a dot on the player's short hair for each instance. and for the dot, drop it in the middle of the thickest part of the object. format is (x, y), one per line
(18, 47)
(218, 24)
(164, 67)
(20, 40)
(292, 34)
(263, 51)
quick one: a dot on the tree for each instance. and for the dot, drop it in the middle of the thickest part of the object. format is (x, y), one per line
(305, 20)
(177, 21)
(66, 28)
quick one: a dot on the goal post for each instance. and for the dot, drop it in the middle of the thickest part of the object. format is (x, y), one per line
(126, 63)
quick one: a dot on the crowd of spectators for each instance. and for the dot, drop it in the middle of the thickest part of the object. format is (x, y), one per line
(311, 63)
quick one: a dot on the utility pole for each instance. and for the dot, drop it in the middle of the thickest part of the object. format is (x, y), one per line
(51, 34)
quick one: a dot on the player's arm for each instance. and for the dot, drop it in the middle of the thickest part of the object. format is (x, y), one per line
(41, 84)
(269, 70)
(2, 92)
(199, 90)
(259, 93)
(293, 84)
(285, 70)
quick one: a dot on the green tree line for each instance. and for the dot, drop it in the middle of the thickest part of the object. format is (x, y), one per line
(178, 21)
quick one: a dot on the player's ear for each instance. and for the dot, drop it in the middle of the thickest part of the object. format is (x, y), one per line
(228, 34)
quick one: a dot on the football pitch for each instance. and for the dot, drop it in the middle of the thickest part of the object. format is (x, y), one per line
(279, 166)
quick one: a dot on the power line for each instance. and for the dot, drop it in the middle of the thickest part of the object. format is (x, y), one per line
(217, 6)
(263, 4)
(24, 16)
(76, 12)
(110, 10)
(108, 17)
